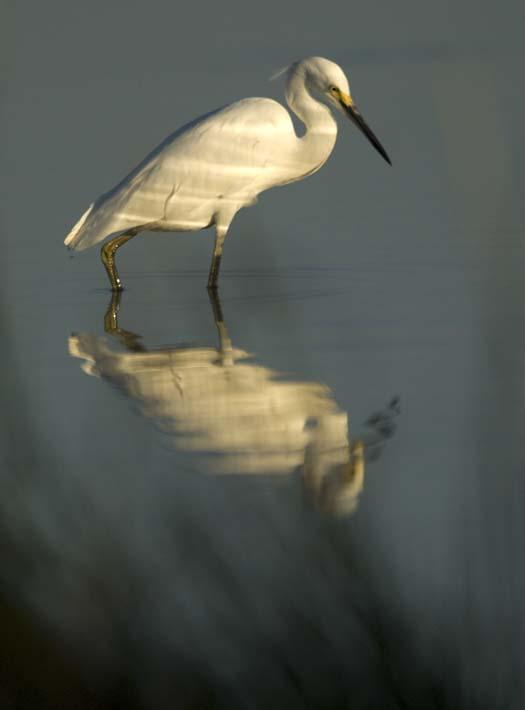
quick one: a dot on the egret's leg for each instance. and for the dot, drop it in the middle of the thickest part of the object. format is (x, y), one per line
(224, 338)
(220, 236)
(111, 325)
(107, 254)
(216, 307)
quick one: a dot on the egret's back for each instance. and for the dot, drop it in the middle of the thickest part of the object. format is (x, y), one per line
(216, 164)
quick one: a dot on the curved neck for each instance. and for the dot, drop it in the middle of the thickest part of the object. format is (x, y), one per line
(315, 146)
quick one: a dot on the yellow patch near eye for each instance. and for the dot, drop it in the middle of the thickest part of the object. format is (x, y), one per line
(346, 99)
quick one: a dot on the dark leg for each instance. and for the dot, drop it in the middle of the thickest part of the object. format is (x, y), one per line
(225, 349)
(214, 272)
(216, 306)
(216, 259)
(111, 326)
(111, 316)
(107, 254)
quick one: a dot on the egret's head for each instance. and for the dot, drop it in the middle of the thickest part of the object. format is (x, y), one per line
(326, 81)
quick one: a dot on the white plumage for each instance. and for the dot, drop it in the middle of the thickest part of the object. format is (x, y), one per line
(205, 172)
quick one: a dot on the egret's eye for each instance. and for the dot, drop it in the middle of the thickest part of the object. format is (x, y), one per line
(334, 89)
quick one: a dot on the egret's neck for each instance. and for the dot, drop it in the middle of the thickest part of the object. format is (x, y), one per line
(315, 146)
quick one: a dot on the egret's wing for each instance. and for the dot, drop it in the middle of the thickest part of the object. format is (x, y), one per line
(138, 200)
(233, 150)
(220, 155)
(126, 206)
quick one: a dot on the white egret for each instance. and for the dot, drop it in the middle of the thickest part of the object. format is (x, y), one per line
(205, 172)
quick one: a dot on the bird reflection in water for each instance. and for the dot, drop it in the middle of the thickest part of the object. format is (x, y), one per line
(245, 418)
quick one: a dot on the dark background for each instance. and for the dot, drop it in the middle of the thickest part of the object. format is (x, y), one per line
(129, 576)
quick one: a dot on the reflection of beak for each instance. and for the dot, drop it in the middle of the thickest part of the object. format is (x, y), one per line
(354, 115)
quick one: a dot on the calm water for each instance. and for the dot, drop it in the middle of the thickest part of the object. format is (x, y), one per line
(185, 513)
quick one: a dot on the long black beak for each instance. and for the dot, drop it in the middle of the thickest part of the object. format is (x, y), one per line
(360, 122)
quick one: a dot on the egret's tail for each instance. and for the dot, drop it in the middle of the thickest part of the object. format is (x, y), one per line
(75, 235)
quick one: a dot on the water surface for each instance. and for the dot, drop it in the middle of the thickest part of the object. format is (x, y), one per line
(185, 511)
